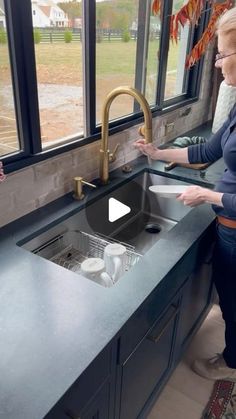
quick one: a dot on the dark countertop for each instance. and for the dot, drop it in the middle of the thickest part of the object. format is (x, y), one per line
(47, 313)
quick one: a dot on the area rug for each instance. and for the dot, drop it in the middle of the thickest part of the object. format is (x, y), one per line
(222, 403)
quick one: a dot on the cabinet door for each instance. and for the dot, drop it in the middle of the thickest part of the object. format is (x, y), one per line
(196, 298)
(92, 395)
(147, 364)
(99, 407)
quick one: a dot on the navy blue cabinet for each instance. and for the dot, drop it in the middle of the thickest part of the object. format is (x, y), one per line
(144, 370)
(145, 367)
(98, 407)
(92, 395)
(196, 299)
(126, 377)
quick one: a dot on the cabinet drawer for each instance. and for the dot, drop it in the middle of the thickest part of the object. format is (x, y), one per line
(145, 367)
(141, 322)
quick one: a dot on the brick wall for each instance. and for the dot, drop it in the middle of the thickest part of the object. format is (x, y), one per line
(32, 187)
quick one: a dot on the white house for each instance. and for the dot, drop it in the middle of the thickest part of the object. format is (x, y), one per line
(2, 15)
(45, 15)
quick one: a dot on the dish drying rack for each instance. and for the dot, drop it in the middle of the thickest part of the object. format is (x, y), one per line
(73, 247)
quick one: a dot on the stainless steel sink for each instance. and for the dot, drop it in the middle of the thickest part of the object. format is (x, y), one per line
(149, 219)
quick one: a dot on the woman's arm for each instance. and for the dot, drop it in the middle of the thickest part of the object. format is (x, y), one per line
(179, 155)
(196, 195)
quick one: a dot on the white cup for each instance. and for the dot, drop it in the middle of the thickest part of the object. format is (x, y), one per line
(94, 269)
(115, 258)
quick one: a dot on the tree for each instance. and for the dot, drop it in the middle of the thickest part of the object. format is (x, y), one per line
(126, 36)
(71, 8)
(116, 14)
(68, 37)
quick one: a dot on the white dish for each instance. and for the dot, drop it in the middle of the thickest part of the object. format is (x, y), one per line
(168, 191)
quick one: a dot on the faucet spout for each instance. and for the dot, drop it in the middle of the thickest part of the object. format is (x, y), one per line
(104, 151)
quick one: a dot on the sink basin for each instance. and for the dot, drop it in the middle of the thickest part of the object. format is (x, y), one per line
(150, 217)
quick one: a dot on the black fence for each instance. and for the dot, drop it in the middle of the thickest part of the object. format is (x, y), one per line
(51, 35)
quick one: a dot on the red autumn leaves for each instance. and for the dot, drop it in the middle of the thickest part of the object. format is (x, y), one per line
(190, 13)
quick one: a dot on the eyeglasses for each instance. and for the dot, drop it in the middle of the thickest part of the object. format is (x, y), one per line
(221, 56)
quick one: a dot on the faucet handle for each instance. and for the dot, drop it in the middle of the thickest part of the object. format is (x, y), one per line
(141, 130)
(79, 182)
(112, 155)
(145, 133)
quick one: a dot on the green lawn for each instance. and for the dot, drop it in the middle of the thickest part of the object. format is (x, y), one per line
(58, 62)
(119, 57)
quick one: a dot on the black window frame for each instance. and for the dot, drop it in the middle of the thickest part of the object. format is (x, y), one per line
(24, 78)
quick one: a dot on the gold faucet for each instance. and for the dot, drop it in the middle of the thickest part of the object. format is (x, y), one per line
(105, 155)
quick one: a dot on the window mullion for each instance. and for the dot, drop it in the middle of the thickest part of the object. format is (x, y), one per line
(89, 66)
(163, 51)
(22, 57)
(142, 48)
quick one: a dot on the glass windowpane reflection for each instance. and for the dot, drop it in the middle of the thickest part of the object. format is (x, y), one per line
(58, 50)
(9, 141)
(175, 74)
(116, 43)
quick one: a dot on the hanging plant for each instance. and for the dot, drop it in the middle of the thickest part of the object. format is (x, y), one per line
(200, 48)
(156, 7)
(190, 13)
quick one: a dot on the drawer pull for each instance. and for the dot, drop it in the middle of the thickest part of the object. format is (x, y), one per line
(156, 339)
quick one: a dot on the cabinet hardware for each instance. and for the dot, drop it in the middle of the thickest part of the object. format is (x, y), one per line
(156, 339)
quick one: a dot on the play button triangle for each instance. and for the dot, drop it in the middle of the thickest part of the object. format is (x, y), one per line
(116, 209)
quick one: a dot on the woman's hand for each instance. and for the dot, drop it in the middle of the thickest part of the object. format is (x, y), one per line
(147, 149)
(179, 155)
(193, 196)
(196, 195)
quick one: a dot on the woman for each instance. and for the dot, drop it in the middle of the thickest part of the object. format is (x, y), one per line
(223, 200)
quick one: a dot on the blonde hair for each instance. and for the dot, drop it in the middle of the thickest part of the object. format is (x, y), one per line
(227, 22)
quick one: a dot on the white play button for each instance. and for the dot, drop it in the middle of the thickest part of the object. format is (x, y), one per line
(116, 209)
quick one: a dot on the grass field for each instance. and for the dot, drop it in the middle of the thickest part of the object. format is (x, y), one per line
(66, 59)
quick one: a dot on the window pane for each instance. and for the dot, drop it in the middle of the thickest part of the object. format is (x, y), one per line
(58, 50)
(152, 61)
(116, 31)
(9, 142)
(176, 59)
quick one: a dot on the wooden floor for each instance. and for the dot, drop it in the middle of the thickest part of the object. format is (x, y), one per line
(186, 394)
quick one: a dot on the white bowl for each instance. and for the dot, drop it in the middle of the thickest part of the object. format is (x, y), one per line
(168, 191)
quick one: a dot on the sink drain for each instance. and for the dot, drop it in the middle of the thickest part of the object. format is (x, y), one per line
(153, 228)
